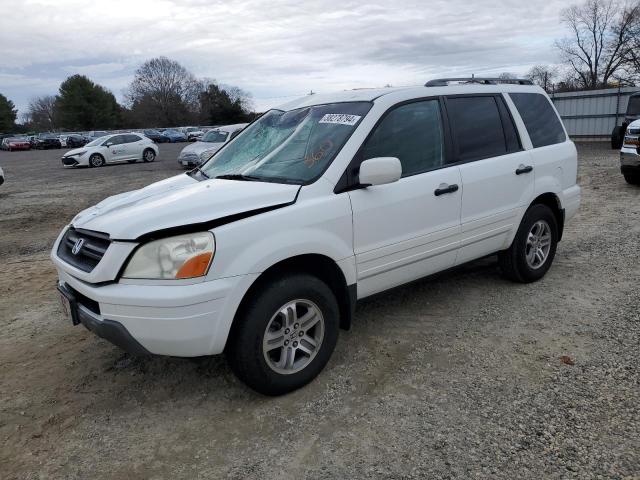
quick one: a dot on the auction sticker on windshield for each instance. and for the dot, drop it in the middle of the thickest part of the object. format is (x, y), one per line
(340, 118)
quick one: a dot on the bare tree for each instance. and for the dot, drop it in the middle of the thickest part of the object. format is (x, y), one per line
(632, 60)
(507, 76)
(242, 97)
(164, 92)
(543, 76)
(41, 113)
(601, 37)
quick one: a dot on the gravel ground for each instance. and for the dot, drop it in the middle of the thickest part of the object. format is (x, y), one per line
(462, 375)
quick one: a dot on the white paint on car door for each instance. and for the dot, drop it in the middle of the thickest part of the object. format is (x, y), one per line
(408, 229)
(497, 174)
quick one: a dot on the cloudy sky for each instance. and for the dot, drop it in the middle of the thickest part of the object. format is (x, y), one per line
(275, 49)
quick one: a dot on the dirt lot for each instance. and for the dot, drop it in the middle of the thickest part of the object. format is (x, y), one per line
(457, 376)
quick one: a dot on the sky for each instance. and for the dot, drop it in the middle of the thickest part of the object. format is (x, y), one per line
(274, 49)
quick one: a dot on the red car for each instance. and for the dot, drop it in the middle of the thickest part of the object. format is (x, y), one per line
(15, 144)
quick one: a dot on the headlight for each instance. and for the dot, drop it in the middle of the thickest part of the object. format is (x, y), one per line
(183, 256)
(79, 154)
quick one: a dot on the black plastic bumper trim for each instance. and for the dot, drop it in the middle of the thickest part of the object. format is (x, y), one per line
(113, 332)
(110, 330)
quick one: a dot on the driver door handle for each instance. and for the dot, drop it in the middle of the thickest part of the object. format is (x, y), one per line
(444, 188)
(522, 169)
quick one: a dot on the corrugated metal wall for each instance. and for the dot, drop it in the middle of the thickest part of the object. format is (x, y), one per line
(591, 114)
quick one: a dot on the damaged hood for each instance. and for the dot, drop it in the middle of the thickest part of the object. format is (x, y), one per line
(180, 201)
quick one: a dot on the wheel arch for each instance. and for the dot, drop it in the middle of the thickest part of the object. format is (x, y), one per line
(552, 201)
(321, 266)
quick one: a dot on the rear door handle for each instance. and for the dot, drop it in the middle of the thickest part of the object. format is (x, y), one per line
(522, 169)
(444, 188)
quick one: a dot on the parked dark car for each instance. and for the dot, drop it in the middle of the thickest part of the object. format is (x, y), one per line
(156, 136)
(75, 141)
(45, 141)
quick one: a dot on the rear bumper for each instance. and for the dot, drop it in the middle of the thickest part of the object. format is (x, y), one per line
(571, 201)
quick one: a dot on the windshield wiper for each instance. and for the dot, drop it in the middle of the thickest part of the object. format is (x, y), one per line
(239, 176)
(197, 171)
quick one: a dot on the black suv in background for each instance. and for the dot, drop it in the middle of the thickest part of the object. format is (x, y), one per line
(633, 113)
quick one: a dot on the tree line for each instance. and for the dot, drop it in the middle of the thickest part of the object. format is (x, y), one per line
(162, 93)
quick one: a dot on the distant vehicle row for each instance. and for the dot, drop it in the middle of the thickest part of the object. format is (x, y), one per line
(47, 140)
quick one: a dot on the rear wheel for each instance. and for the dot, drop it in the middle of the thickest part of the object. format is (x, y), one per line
(96, 160)
(148, 155)
(530, 255)
(285, 335)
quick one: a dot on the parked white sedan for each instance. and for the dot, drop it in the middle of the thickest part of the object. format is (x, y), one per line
(116, 148)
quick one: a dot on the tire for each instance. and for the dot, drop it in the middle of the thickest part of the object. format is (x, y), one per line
(148, 155)
(264, 369)
(519, 263)
(632, 179)
(96, 160)
(617, 137)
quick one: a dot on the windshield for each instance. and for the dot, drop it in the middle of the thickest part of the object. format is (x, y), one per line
(634, 106)
(289, 147)
(215, 136)
(97, 141)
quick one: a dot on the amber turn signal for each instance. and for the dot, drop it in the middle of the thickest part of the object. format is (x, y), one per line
(195, 267)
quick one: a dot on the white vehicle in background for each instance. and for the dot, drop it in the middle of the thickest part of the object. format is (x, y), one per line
(115, 148)
(630, 154)
(1, 176)
(197, 153)
(193, 133)
(263, 251)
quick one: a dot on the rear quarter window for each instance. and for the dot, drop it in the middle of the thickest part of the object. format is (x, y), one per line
(539, 118)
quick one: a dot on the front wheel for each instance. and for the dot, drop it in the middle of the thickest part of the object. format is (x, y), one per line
(148, 155)
(285, 335)
(632, 178)
(96, 160)
(530, 255)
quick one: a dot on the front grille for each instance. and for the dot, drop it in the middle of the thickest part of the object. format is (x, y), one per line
(94, 246)
(69, 161)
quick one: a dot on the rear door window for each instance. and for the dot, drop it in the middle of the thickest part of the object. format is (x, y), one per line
(540, 118)
(477, 128)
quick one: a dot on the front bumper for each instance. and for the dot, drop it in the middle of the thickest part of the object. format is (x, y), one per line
(629, 160)
(189, 161)
(186, 320)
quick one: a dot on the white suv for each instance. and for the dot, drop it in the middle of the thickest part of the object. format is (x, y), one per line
(263, 251)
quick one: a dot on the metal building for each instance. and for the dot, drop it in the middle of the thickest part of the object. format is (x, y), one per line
(591, 115)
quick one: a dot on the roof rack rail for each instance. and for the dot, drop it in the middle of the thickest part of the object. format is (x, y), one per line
(443, 82)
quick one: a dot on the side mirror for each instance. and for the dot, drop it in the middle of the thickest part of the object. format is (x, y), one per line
(108, 144)
(379, 171)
